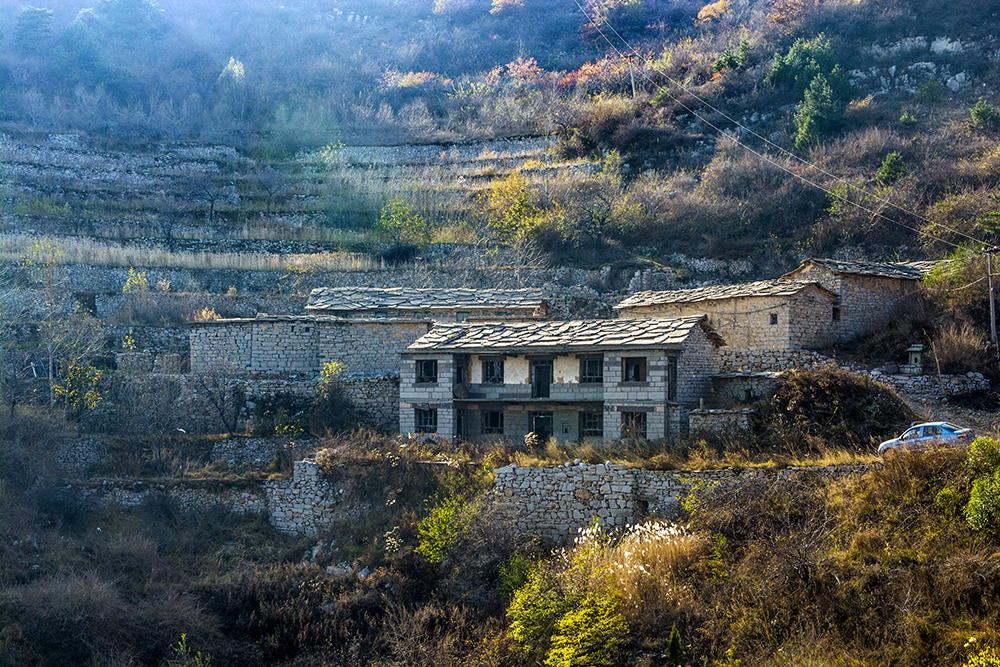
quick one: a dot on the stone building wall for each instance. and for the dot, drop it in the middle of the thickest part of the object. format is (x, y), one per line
(801, 321)
(719, 420)
(300, 345)
(867, 303)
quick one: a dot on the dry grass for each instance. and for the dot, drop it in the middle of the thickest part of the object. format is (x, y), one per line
(90, 252)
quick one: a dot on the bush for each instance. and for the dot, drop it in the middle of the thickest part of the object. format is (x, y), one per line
(984, 115)
(440, 529)
(830, 406)
(891, 170)
(983, 511)
(985, 658)
(591, 634)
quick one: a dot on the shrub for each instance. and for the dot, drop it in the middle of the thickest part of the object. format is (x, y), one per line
(440, 529)
(906, 121)
(833, 406)
(985, 658)
(984, 115)
(591, 634)
(891, 170)
(983, 511)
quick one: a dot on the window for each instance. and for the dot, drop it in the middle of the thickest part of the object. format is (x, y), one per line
(634, 425)
(492, 371)
(592, 370)
(492, 422)
(591, 424)
(774, 318)
(836, 312)
(671, 378)
(381, 316)
(503, 313)
(634, 369)
(421, 316)
(427, 421)
(427, 370)
(461, 317)
(459, 372)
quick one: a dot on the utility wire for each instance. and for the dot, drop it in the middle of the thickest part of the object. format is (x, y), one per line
(768, 158)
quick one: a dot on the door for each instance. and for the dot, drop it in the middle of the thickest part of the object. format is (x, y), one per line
(541, 377)
(541, 425)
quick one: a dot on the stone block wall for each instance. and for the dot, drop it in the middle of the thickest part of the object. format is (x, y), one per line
(801, 321)
(555, 502)
(305, 504)
(719, 420)
(758, 361)
(300, 345)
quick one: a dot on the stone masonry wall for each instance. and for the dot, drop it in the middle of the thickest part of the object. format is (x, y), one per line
(803, 321)
(300, 345)
(555, 502)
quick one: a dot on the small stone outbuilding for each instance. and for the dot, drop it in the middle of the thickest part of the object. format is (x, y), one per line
(763, 315)
(438, 305)
(870, 293)
(600, 379)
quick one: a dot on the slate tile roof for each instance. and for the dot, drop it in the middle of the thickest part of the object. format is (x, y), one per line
(717, 292)
(560, 337)
(904, 270)
(408, 298)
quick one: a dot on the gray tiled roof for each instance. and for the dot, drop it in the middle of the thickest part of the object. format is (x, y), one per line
(525, 337)
(904, 270)
(407, 298)
(716, 292)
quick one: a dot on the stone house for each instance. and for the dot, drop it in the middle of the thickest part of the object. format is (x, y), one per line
(869, 293)
(764, 315)
(439, 305)
(569, 380)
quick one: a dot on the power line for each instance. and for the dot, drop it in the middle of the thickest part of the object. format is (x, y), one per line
(768, 158)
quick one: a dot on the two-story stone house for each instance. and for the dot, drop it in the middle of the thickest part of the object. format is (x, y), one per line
(764, 315)
(568, 380)
(436, 304)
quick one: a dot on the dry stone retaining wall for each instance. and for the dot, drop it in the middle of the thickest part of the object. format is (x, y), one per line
(555, 502)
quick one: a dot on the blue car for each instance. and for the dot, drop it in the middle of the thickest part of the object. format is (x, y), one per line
(928, 435)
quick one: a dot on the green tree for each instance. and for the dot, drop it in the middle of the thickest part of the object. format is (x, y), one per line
(32, 29)
(892, 169)
(675, 651)
(401, 224)
(804, 62)
(816, 115)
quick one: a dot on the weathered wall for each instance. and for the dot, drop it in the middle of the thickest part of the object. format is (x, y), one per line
(300, 345)
(719, 420)
(802, 321)
(867, 303)
(554, 503)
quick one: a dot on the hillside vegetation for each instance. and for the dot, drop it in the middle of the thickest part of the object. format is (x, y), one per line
(710, 138)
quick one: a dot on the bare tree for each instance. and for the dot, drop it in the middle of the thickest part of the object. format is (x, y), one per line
(220, 387)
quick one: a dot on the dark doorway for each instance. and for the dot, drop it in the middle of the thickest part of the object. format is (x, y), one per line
(541, 425)
(541, 378)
